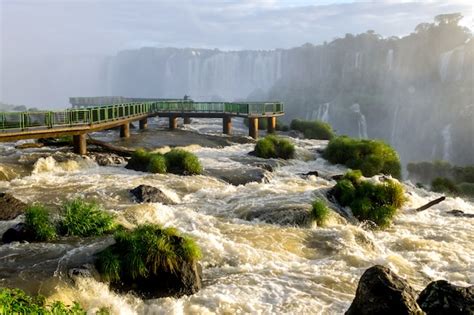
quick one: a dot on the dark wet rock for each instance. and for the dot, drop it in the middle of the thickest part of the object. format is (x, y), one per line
(105, 159)
(29, 145)
(18, 233)
(10, 207)
(337, 177)
(259, 162)
(145, 193)
(441, 297)
(287, 215)
(136, 166)
(311, 173)
(460, 213)
(380, 291)
(240, 176)
(296, 134)
(84, 271)
(185, 280)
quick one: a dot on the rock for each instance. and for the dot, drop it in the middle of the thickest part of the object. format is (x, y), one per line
(18, 233)
(84, 271)
(10, 207)
(145, 193)
(337, 177)
(185, 280)
(380, 291)
(441, 297)
(136, 166)
(462, 214)
(104, 159)
(287, 215)
(29, 145)
(240, 176)
(311, 173)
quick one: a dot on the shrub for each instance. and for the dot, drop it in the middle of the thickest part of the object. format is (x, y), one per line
(319, 212)
(376, 202)
(313, 129)
(372, 157)
(444, 185)
(274, 147)
(37, 220)
(16, 301)
(145, 251)
(81, 218)
(157, 164)
(466, 189)
(179, 161)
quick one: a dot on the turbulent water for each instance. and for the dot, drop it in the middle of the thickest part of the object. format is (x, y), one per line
(248, 266)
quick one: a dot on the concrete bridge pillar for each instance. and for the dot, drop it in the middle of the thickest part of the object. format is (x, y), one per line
(125, 130)
(187, 120)
(173, 123)
(143, 123)
(253, 127)
(227, 125)
(271, 124)
(80, 144)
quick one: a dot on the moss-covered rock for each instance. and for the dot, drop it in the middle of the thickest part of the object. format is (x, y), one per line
(372, 157)
(151, 261)
(369, 201)
(274, 147)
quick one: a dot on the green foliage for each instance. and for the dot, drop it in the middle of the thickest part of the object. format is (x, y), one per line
(16, 301)
(313, 129)
(144, 251)
(157, 164)
(179, 161)
(274, 147)
(372, 157)
(376, 202)
(319, 212)
(38, 221)
(444, 185)
(81, 218)
(466, 189)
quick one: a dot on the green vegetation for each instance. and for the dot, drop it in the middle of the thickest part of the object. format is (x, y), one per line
(372, 157)
(320, 212)
(466, 189)
(376, 202)
(81, 218)
(176, 161)
(145, 251)
(274, 147)
(313, 129)
(16, 301)
(444, 185)
(38, 221)
(182, 162)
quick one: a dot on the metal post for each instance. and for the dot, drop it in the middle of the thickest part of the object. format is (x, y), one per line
(227, 125)
(143, 123)
(80, 144)
(253, 127)
(173, 123)
(125, 130)
(271, 124)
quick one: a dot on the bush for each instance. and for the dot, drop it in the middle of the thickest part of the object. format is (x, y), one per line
(274, 147)
(81, 218)
(466, 189)
(319, 212)
(444, 185)
(313, 129)
(179, 161)
(376, 202)
(145, 251)
(38, 222)
(16, 301)
(372, 157)
(157, 164)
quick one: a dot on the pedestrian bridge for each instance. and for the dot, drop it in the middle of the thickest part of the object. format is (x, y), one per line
(78, 122)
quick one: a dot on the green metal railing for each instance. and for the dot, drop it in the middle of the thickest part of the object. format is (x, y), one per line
(107, 113)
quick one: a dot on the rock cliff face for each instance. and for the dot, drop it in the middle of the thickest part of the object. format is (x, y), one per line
(364, 85)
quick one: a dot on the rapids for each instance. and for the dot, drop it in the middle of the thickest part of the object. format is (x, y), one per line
(248, 266)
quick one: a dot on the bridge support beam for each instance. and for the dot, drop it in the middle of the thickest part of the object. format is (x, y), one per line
(271, 124)
(227, 125)
(173, 123)
(143, 123)
(253, 127)
(186, 120)
(125, 130)
(80, 144)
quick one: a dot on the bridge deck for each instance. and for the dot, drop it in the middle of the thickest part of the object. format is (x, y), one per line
(49, 124)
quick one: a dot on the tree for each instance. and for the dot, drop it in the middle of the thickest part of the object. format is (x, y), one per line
(451, 18)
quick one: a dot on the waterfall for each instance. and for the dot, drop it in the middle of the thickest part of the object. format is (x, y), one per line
(323, 112)
(451, 64)
(393, 138)
(390, 59)
(358, 59)
(447, 142)
(362, 122)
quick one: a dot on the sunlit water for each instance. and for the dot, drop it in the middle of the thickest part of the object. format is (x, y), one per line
(248, 266)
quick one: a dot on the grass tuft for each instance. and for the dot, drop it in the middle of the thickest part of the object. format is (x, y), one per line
(274, 147)
(320, 212)
(38, 221)
(179, 161)
(313, 129)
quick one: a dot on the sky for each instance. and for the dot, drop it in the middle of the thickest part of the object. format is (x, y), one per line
(57, 27)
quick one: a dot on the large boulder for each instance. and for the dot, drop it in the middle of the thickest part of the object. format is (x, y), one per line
(380, 291)
(10, 207)
(145, 193)
(441, 297)
(285, 215)
(18, 233)
(240, 176)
